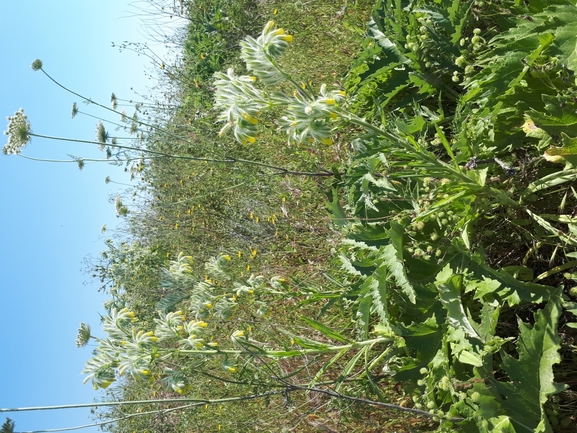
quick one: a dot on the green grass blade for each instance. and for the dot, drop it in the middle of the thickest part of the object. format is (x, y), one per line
(325, 330)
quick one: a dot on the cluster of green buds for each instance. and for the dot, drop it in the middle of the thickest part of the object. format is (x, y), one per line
(18, 133)
(308, 117)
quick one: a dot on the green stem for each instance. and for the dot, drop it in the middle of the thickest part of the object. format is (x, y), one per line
(193, 401)
(111, 421)
(289, 78)
(76, 160)
(229, 160)
(291, 353)
(424, 155)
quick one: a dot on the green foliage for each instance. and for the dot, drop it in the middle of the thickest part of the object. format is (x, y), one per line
(456, 205)
(131, 274)
(445, 238)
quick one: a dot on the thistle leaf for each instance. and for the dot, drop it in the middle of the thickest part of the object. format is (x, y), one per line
(531, 374)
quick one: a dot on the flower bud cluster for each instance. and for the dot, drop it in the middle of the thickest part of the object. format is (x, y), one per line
(176, 380)
(259, 53)
(240, 103)
(142, 353)
(310, 119)
(18, 133)
(307, 117)
(133, 351)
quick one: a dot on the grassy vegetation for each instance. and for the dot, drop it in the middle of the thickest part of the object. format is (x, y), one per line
(438, 291)
(269, 224)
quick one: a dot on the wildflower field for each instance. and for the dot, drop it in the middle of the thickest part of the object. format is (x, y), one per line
(354, 216)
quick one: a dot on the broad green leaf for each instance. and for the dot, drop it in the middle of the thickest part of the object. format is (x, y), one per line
(379, 293)
(488, 320)
(501, 424)
(522, 273)
(563, 155)
(336, 211)
(390, 50)
(363, 315)
(552, 120)
(450, 287)
(565, 31)
(509, 290)
(531, 374)
(392, 256)
(425, 339)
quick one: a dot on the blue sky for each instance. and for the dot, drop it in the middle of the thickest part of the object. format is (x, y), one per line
(52, 213)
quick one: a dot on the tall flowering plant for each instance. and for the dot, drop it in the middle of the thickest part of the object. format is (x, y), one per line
(130, 348)
(241, 100)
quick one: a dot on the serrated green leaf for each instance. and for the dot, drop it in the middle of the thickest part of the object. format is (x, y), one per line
(389, 49)
(392, 256)
(338, 215)
(364, 310)
(450, 287)
(510, 289)
(531, 374)
(501, 424)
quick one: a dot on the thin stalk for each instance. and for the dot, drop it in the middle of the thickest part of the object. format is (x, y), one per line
(289, 78)
(291, 353)
(423, 155)
(139, 122)
(335, 394)
(111, 421)
(192, 401)
(83, 159)
(231, 160)
(200, 402)
(90, 101)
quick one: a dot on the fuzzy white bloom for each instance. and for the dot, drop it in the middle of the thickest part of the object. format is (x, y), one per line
(118, 324)
(18, 133)
(259, 53)
(101, 370)
(169, 325)
(311, 119)
(176, 380)
(240, 103)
